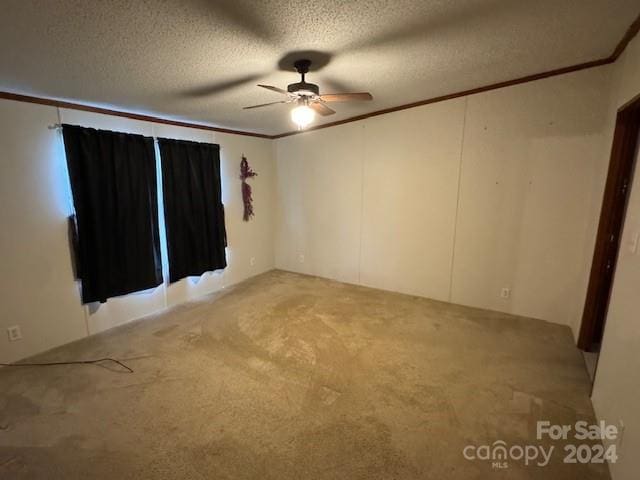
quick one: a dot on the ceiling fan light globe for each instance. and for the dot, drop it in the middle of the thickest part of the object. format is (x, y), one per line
(302, 116)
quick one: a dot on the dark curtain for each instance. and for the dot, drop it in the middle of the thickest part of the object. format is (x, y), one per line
(193, 210)
(113, 181)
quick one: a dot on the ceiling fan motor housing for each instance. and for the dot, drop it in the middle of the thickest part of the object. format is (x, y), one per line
(303, 88)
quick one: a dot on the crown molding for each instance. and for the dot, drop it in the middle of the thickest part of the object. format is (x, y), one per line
(451, 96)
(117, 113)
(629, 35)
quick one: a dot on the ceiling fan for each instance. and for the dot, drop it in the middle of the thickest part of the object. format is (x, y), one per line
(307, 98)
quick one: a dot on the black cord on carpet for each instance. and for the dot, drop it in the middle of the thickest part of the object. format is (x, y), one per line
(77, 362)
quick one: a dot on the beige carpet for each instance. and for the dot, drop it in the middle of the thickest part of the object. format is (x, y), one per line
(294, 377)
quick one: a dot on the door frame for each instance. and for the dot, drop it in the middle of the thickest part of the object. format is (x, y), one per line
(610, 227)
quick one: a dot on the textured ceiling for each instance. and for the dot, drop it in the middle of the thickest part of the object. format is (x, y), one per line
(199, 60)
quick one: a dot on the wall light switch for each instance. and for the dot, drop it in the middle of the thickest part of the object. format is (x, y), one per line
(505, 292)
(252, 261)
(14, 333)
(301, 258)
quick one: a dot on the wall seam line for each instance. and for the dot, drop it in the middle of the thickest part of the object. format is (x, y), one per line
(455, 219)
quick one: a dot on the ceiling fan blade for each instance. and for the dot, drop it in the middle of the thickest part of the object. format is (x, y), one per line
(346, 97)
(431, 24)
(274, 89)
(321, 108)
(233, 12)
(333, 84)
(219, 87)
(264, 104)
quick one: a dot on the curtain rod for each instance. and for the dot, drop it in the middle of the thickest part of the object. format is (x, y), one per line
(58, 126)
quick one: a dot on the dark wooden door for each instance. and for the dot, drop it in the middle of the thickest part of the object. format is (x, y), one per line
(614, 206)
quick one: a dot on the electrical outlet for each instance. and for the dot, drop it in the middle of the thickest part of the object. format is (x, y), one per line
(14, 333)
(505, 292)
(301, 258)
(252, 261)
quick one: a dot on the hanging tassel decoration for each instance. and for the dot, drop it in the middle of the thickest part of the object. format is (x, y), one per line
(246, 173)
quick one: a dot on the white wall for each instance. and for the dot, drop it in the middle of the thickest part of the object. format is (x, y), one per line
(342, 212)
(533, 171)
(411, 167)
(455, 200)
(616, 393)
(37, 290)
